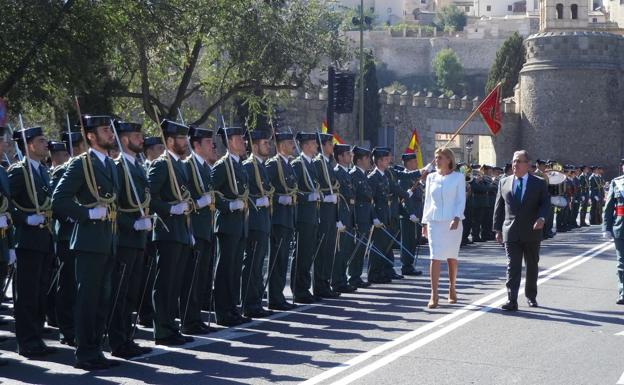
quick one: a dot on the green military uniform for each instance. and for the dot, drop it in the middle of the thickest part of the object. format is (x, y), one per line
(613, 224)
(199, 272)
(596, 192)
(576, 203)
(260, 194)
(170, 199)
(284, 180)
(307, 224)
(378, 271)
(585, 196)
(34, 247)
(346, 209)
(90, 181)
(395, 196)
(479, 190)
(130, 247)
(231, 184)
(363, 218)
(411, 213)
(327, 232)
(492, 189)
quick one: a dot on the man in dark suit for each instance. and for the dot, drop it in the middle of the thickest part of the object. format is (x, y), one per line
(522, 204)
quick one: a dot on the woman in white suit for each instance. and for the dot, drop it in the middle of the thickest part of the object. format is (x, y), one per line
(445, 199)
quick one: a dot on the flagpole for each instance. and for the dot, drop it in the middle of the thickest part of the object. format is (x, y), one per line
(472, 115)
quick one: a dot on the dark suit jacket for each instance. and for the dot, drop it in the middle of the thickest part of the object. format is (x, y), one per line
(515, 220)
(230, 222)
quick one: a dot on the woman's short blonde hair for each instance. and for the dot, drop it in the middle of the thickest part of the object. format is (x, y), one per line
(448, 154)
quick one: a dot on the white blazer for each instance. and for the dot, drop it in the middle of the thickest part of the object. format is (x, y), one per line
(445, 197)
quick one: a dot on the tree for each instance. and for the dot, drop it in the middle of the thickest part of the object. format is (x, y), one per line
(510, 58)
(372, 107)
(450, 19)
(448, 71)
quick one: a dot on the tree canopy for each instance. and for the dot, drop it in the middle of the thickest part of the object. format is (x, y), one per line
(510, 58)
(449, 72)
(450, 19)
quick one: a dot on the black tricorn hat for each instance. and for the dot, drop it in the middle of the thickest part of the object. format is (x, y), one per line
(75, 137)
(258, 134)
(54, 146)
(125, 127)
(305, 136)
(360, 151)
(29, 133)
(152, 141)
(408, 156)
(341, 148)
(280, 136)
(171, 128)
(91, 122)
(199, 132)
(381, 152)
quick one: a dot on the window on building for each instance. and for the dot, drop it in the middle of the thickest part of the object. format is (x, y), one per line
(423, 1)
(510, 8)
(559, 8)
(488, 8)
(594, 20)
(574, 9)
(467, 8)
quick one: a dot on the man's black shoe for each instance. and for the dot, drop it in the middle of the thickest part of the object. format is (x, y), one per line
(380, 280)
(258, 313)
(361, 284)
(174, 340)
(126, 351)
(142, 349)
(282, 306)
(531, 302)
(327, 294)
(510, 306)
(194, 330)
(397, 276)
(68, 341)
(620, 301)
(91, 365)
(39, 351)
(415, 273)
(345, 289)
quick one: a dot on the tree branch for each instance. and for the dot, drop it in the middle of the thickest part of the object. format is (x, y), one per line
(186, 78)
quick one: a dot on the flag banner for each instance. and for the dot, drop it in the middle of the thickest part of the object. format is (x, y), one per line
(414, 148)
(490, 111)
(337, 139)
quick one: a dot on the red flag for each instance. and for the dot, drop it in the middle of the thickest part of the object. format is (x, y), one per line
(337, 139)
(491, 112)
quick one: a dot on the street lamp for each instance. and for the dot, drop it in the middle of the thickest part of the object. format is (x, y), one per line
(469, 144)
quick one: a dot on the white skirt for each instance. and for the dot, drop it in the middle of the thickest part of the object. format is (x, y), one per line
(443, 242)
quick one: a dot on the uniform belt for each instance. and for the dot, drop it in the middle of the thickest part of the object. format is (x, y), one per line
(619, 211)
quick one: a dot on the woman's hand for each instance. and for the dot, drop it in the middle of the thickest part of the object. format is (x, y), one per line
(424, 231)
(454, 223)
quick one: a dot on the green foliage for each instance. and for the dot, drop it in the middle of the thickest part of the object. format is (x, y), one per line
(510, 58)
(372, 107)
(450, 19)
(448, 71)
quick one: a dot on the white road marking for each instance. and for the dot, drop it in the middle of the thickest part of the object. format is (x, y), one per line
(475, 306)
(621, 380)
(620, 333)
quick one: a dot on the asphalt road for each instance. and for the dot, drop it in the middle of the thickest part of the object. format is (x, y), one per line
(385, 334)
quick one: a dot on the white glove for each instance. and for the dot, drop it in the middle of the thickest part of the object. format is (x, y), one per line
(4, 222)
(12, 256)
(607, 235)
(377, 222)
(262, 202)
(237, 205)
(37, 219)
(204, 201)
(331, 198)
(285, 200)
(414, 218)
(313, 197)
(410, 192)
(143, 224)
(340, 226)
(178, 209)
(596, 198)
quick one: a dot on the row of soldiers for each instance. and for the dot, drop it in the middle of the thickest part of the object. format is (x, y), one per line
(185, 231)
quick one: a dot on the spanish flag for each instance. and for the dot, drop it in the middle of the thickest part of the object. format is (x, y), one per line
(337, 139)
(414, 147)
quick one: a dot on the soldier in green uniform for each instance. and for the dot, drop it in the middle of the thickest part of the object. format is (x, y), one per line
(492, 190)
(134, 227)
(87, 195)
(396, 195)
(467, 221)
(30, 190)
(171, 200)
(65, 297)
(585, 196)
(362, 212)
(411, 212)
(153, 148)
(378, 180)
(308, 202)
(479, 188)
(231, 184)
(613, 227)
(260, 193)
(328, 212)
(594, 194)
(284, 180)
(576, 203)
(346, 207)
(199, 271)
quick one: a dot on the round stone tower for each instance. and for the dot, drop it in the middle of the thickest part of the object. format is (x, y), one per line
(572, 95)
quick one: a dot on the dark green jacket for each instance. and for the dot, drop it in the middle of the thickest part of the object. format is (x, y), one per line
(479, 193)
(285, 183)
(71, 197)
(128, 236)
(346, 205)
(363, 213)
(259, 217)
(228, 221)
(613, 223)
(307, 212)
(411, 204)
(395, 193)
(201, 219)
(164, 196)
(381, 190)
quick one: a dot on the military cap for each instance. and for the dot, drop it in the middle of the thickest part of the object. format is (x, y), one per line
(29, 133)
(75, 137)
(305, 136)
(230, 131)
(152, 141)
(360, 152)
(258, 134)
(281, 136)
(125, 127)
(91, 122)
(398, 167)
(341, 149)
(408, 156)
(325, 137)
(199, 132)
(540, 162)
(171, 128)
(54, 146)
